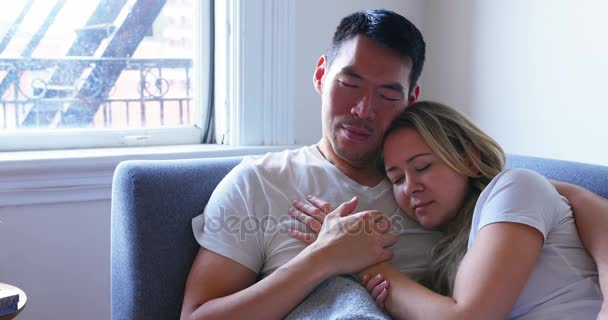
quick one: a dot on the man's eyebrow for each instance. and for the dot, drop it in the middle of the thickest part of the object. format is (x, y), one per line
(348, 70)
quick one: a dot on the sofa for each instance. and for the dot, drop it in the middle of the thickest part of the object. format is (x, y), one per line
(153, 202)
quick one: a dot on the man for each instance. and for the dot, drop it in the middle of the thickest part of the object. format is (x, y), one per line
(248, 266)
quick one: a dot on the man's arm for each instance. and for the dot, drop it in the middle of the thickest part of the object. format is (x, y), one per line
(222, 280)
(220, 288)
(591, 216)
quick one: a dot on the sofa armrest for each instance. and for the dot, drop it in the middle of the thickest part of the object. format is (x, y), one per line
(153, 203)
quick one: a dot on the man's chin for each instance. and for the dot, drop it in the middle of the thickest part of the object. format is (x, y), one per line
(356, 158)
(358, 154)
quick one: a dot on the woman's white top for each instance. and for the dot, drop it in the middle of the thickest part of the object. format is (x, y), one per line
(564, 283)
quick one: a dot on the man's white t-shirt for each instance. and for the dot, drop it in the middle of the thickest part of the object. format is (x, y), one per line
(564, 283)
(246, 218)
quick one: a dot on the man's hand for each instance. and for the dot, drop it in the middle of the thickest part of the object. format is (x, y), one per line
(312, 215)
(591, 215)
(348, 242)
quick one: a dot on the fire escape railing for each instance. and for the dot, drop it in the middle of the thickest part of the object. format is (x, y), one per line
(71, 92)
(160, 84)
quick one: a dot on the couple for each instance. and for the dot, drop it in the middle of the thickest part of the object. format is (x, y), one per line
(368, 78)
(509, 246)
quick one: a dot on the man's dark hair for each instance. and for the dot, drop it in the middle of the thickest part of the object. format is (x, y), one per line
(389, 29)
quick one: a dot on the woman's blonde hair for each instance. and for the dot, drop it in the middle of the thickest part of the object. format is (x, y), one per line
(456, 141)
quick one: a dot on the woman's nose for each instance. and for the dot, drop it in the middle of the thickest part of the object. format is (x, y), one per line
(411, 186)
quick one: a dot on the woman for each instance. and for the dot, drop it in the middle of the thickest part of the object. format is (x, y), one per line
(510, 248)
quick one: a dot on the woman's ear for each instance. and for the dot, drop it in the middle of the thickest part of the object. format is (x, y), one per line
(318, 76)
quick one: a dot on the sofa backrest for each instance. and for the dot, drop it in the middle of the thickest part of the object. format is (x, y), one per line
(589, 176)
(153, 203)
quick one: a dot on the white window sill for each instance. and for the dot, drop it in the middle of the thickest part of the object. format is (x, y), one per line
(58, 176)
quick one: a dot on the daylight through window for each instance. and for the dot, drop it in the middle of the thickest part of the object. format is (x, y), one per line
(97, 64)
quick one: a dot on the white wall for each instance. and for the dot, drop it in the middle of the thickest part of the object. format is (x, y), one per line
(446, 75)
(55, 224)
(316, 21)
(530, 73)
(59, 254)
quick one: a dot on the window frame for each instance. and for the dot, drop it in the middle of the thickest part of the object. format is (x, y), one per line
(255, 59)
(42, 177)
(49, 139)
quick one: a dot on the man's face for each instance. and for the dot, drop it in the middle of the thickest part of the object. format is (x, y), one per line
(362, 91)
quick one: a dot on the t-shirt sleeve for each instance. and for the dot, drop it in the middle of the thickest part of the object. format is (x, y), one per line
(228, 224)
(522, 196)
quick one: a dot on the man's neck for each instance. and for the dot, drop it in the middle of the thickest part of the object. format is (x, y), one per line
(363, 173)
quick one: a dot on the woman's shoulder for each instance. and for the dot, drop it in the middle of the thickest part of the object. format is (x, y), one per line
(521, 196)
(520, 190)
(520, 175)
(522, 181)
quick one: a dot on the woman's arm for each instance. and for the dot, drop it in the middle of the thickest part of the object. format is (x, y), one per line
(489, 280)
(591, 216)
(506, 249)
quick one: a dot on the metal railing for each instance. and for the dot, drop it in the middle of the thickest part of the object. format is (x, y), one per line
(149, 92)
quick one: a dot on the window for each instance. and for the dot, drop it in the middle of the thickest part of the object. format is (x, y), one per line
(102, 73)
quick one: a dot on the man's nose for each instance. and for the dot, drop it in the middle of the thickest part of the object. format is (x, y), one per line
(365, 108)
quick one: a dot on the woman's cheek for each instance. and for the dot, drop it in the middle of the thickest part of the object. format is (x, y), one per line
(402, 200)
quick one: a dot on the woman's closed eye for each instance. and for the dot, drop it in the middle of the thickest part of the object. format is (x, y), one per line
(396, 179)
(423, 168)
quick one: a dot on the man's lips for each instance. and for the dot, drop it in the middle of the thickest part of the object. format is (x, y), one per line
(356, 133)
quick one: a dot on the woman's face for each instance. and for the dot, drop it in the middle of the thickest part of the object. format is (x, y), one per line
(425, 188)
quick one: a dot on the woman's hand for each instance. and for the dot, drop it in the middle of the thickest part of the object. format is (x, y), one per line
(349, 242)
(312, 215)
(377, 287)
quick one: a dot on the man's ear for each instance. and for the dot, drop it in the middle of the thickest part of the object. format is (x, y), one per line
(317, 77)
(414, 95)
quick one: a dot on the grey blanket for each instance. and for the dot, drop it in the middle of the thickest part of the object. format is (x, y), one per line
(338, 298)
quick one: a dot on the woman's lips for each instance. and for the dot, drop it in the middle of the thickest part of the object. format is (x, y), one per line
(421, 209)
